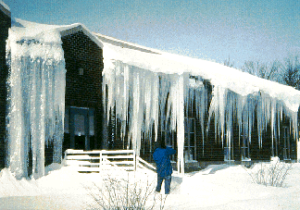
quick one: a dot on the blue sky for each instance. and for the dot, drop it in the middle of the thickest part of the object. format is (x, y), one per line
(249, 30)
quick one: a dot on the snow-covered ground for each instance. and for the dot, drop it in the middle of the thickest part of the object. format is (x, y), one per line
(215, 187)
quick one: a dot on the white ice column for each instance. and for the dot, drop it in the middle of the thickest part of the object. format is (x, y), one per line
(16, 133)
(137, 115)
(59, 111)
(180, 123)
(298, 150)
(36, 89)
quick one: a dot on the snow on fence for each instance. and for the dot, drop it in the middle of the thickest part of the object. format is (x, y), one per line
(97, 160)
(144, 164)
(118, 158)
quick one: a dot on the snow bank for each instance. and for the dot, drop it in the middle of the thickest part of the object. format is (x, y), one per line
(231, 187)
(224, 187)
(10, 186)
(57, 180)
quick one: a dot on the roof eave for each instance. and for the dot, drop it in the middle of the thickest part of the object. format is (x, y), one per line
(5, 9)
(64, 31)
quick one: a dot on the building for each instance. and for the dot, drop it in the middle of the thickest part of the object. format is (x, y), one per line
(71, 88)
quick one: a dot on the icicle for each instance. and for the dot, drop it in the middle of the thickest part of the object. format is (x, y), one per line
(143, 97)
(137, 94)
(180, 122)
(36, 100)
(135, 121)
(217, 107)
(16, 131)
(229, 124)
(200, 97)
(155, 104)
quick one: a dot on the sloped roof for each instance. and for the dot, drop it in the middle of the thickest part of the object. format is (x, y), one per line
(162, 62)
(32, 29)
(238, 81)
(4, 8)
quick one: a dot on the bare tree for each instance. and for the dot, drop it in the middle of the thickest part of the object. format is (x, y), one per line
(273, 73)
(228, 63)
(263, 70)
(291, 72)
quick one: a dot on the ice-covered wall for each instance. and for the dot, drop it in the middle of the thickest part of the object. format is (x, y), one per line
(141, 97)
(140, 86)
(227, 106)
(36, 95)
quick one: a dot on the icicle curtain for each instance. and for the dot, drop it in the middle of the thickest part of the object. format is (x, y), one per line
(36, 95)
(143, 97)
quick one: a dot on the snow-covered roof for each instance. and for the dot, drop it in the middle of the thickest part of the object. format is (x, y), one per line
(240, 82)
(29, 29)
(158, 61)
(4, 8)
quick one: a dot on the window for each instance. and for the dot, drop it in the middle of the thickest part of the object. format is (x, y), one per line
(245, 147)
(244, 141)
(228, 149)
(113, 126)
(190, 139)
(286, 144)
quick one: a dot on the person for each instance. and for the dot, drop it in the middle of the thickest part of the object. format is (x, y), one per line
(161, 156)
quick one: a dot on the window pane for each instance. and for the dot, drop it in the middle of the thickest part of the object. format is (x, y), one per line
(186, 139)
(192, 152)
(67, 121)
(192, 124)
(79, 124)
(91, 122)
(168, 139)
(186, 153)
(286, 143)
(192, 139)
(189, 153)
(185, 125)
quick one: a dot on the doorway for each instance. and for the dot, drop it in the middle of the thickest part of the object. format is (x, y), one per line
(80, 128)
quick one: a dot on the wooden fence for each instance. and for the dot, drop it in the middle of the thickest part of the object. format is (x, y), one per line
(97, 160)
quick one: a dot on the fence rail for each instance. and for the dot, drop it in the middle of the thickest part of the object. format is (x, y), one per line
(144, 164)
(97, 160)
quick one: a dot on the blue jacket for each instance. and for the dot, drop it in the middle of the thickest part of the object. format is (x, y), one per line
(162, 159)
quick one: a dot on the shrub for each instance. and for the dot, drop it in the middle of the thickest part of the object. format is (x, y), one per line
(119, 193)
(271, 174)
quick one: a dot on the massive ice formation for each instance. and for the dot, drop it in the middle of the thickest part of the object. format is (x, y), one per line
(144, 87)
(36, 95)
(141, 97)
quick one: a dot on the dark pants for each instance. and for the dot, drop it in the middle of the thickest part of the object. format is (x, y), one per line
(167, 183)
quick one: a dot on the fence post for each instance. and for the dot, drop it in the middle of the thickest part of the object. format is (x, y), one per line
(100, 161)
(135, 159)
